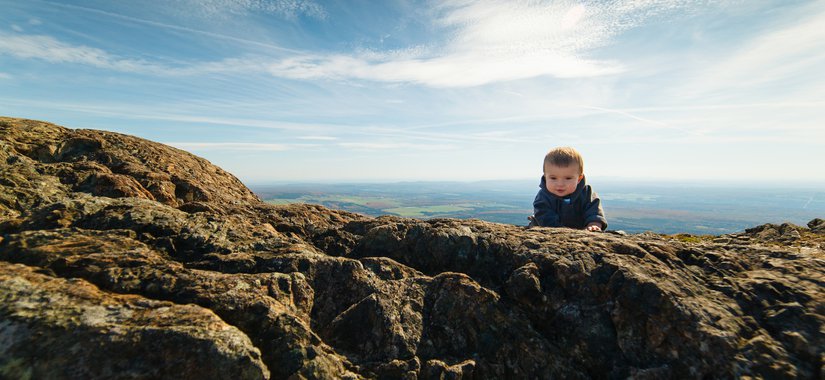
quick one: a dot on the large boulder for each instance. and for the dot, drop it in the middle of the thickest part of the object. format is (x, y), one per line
(156, 236)
(56, 328)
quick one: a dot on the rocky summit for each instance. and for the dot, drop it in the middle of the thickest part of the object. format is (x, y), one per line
(122, 258)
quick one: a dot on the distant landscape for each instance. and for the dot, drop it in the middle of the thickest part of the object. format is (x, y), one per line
(694, 208)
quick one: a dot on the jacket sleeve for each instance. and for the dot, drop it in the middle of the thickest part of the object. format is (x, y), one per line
(593, 210)
(544, 213)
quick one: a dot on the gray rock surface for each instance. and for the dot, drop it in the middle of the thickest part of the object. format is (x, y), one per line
(300, 291)
(55, 328)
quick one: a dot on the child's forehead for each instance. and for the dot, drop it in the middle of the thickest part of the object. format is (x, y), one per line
(551, 168)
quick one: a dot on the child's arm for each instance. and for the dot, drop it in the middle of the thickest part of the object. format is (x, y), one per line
(544, 214)
(593, 214)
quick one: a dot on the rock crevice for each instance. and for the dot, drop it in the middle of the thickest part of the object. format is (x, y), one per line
(193, 274)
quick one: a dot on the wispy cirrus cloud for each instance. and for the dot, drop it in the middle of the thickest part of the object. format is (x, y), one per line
(50, 49)
(493, 41)
(486, 42)
(262, 147)
(400, 146)
(212, 9)
(777, 57)
(455, 70)
(285, 8)
(184, 10)
(318, 138)
(232, 146)
(131, 111)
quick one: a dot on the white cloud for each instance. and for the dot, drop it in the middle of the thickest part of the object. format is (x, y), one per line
(492, 41)
(486, 42)
(233, 146)
(285, 8)
(238, 122)
(185, 11)
(16, 28)
(457, 70)
(493, 137)
(371, 146)
(52, 50)
(4, 75)
(319, 138)
(776, 58)
(650, 122)
(133, 111)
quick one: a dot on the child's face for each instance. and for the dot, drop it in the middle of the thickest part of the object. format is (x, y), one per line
(561, 180)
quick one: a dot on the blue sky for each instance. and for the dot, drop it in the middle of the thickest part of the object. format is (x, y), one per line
(434, 90)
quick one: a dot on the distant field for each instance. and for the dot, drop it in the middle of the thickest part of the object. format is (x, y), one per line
(425, 212)
(630, 207)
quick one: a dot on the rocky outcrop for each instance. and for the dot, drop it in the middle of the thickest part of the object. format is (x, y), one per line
(126, 258)
(58, 328)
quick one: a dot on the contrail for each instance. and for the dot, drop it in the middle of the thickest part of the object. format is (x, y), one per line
(634, 117)
(174, 27)
(809, 201)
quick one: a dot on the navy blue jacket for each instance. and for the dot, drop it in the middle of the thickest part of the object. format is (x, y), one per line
(576, 210)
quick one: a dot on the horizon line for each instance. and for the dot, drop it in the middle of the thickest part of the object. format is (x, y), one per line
(793, 183)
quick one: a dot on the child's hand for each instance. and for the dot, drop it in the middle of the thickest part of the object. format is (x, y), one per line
(595, 226)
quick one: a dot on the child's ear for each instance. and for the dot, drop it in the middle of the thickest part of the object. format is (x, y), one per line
(581, 176)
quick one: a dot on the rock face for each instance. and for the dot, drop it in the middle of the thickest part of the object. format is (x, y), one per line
(124, 258)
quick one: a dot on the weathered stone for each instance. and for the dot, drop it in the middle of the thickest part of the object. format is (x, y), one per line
(817, 225)
(329, 294)
(53, 328)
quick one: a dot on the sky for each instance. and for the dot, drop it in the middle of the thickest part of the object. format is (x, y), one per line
(295, 90)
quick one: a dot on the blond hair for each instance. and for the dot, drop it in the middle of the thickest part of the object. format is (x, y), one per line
(564, 157)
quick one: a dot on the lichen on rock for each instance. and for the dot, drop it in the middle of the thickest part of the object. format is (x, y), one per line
(120, 257)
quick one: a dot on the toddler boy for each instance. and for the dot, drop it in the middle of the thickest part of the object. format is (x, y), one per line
(565, 199)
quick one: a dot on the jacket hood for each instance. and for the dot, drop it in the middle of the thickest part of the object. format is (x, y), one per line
(576, 193)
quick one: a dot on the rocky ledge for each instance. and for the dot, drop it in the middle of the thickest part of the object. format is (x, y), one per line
(123, 258)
